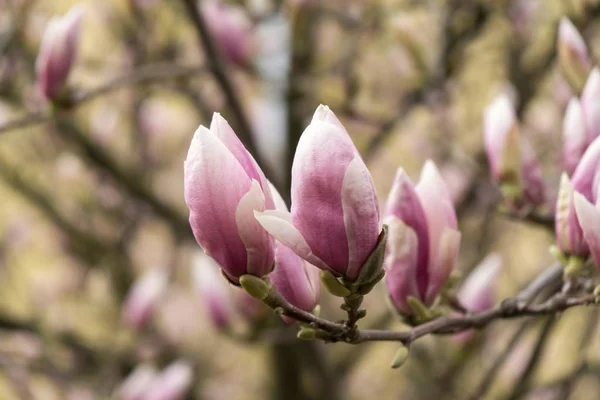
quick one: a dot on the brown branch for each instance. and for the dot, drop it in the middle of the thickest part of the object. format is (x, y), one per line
(514, 307)
(219, 70)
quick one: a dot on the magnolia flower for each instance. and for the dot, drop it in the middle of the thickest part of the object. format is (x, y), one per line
(581, 124)
(512, 160)
(295, 279)
(58, 51)
(589, 217)
(136, 384)
(144, 296)
(334, 221)
(423, 240)
(573, 234)
(231, 29)
(574, 135)
(224, 186)
(172, 383)
(476, 293)
(573, 55)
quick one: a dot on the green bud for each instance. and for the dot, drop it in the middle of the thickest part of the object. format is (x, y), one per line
(421, 311)
(573, 266)
(400, 357)
(306, 333)
(361, 313)
(371, 269)
(255, 286)
(367, 287)
(333, 285)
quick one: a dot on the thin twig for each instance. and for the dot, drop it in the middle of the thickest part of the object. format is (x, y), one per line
(219, 70)
(146, 74)
(536, 355)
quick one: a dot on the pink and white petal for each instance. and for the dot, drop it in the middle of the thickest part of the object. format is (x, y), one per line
(291, 280)
(590, 101)
(322, 157)
(361, 215)
(279, 225)
(214, 183)
(258, 243)
(221, 128)
(324, 114)
(574, 135)
(277, 199)
(443, 262)
(499, 120)
(589, 217)
(584, 175)
(401, 264)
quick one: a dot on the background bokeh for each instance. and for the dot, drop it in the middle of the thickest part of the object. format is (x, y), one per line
(92, 199)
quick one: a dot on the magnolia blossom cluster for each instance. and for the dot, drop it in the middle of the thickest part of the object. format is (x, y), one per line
(514, 165)
(58, 51)
(241, 222)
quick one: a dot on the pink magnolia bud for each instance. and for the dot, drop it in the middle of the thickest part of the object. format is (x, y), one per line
(569, 236)
(135, 386)
(144, 296)
(224, 186)
(572, 53)
(512, 160)
(586, 175)
(295, 279)
(216, 295)
(423, 240)
(574, 135)
(590, 103)
(477, 292)
(172, 383)
(57, 53)
(231, 29)
(589, 217)
(334, 223)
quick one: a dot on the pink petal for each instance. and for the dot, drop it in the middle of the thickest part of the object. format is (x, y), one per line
(585, 173)
(404, 204)
(574, 136)
(443, 264)
(215, 182)
(401, 264)
(361, 214)
(291, 279)
(499, 120)
(590, 102)
(476, 293)
(279, 225)
(223, 131)
(172, 383)
(322, 157)
(258, 243)
(589, 217)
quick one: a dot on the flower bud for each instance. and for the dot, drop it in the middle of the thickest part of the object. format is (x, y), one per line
(172, 383)
(477, 292)
(57, 53)
(295, 279)
(573, 55)
(136, 384)
(334, 221)
(423, 240)
(586, 175)
(231, 30)
(144, 296)
(224, 186)
(574, 135)
(511, 158)
(589, 217)
(590, 103)
(569, 236)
